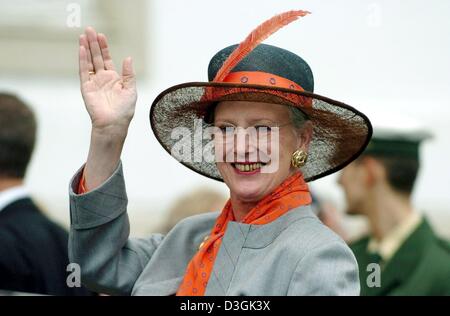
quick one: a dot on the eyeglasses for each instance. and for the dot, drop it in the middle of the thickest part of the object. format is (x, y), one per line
(260, 131)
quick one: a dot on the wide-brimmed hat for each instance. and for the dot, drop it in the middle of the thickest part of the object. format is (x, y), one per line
(257, 72)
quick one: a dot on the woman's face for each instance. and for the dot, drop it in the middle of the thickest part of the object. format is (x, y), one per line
(256, 166)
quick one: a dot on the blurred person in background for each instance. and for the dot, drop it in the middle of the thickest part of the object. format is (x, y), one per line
(266, 240)
(33, 249)
(327, 212)
(202, 200)
(379, 185)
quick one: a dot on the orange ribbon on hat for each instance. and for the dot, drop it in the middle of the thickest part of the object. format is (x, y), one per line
(263, 79)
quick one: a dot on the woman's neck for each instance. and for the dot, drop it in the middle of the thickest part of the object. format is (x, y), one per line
(241, 208)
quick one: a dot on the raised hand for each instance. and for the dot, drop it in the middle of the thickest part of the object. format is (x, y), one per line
(110, 98)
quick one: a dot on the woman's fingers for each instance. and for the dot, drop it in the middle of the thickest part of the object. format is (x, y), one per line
(96, 54)
(84, 42)
(83, 64)
(128, 73)
(103, 43)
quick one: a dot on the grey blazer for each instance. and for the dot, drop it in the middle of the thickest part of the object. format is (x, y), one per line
(293, 255)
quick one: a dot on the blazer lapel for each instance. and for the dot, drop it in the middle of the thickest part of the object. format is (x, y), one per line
(239, 236)
(227, 258)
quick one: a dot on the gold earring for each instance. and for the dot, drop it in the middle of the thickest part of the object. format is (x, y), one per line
(299, 158)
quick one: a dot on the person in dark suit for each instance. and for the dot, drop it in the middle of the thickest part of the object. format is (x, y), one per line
(33, 249)
(411, 259)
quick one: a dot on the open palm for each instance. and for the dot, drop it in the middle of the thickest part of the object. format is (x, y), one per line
(110, 98)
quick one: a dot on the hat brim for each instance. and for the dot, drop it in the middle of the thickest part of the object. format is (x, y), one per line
(340, 132)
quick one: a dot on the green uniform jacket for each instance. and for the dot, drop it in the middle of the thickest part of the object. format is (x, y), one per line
(421, 266)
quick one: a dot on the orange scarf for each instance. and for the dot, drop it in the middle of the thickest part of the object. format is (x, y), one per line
(291, 193)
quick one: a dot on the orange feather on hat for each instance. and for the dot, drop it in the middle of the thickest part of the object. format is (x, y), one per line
(258, 35)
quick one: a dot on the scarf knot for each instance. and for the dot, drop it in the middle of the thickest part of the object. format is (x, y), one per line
(291, 193)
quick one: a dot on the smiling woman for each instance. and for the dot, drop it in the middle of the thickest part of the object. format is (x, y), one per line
(266, 240)
(248, 185)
